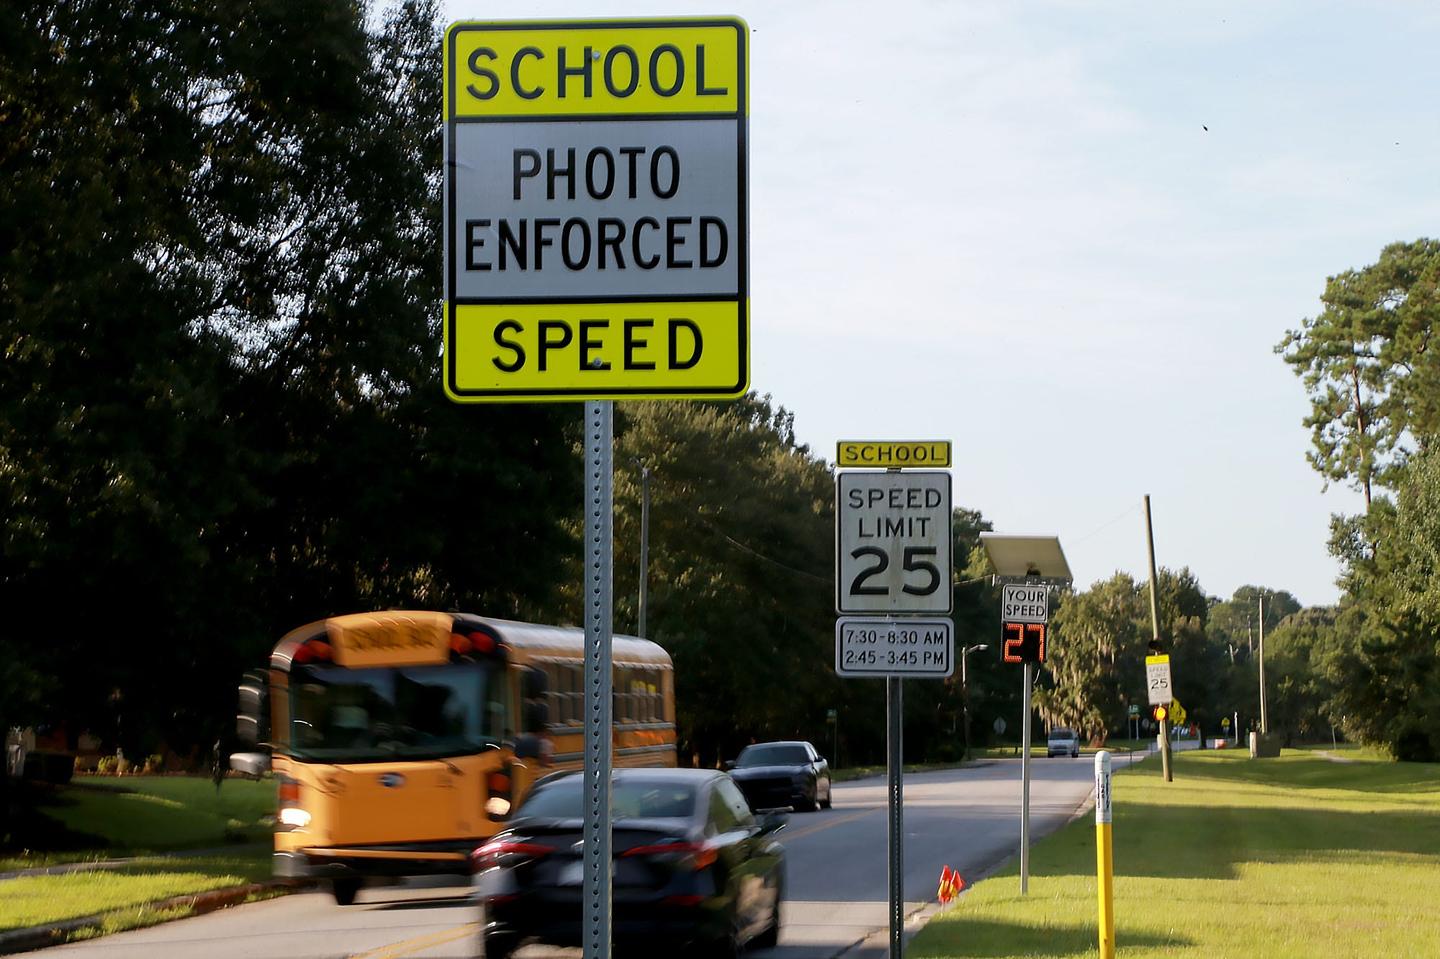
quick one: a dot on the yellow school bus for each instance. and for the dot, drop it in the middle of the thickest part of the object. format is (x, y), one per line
(402, 740)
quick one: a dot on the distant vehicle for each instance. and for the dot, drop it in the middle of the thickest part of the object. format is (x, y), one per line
(696, 872)
(772, 775)
(401, 740)
(1063, 742)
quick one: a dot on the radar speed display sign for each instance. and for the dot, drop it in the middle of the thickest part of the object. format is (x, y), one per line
(892, 538)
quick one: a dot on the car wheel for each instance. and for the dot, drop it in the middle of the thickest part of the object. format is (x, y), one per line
(344, 891)
(500, 946)
(807, 804)
(829, 796)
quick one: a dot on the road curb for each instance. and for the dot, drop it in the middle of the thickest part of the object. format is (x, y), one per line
(195, 904)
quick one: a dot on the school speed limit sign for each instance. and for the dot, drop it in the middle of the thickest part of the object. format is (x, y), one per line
(892, 542)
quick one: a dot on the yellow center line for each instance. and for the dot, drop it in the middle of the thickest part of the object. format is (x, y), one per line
(408, 947)
(839, 820)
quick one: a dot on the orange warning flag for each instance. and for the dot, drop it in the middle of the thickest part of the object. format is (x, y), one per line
(950, 884)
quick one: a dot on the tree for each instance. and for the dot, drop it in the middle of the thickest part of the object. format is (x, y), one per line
(220, 412)
(1374, 384)
(1101, 637)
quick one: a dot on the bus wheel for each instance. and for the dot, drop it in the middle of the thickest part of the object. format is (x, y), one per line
(344, 891)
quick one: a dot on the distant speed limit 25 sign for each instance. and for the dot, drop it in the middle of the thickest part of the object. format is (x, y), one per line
(596, 210)
(892, 538)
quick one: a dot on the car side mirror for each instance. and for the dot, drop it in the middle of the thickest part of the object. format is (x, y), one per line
(728, 765)
(250, 765)
(772, 822)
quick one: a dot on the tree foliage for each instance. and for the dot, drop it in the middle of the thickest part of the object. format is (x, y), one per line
(220, 410)
(1374, 383)
(1366, 362)
(1097, 656)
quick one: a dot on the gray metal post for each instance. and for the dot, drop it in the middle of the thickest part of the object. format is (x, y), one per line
(895, 748)
(599, 581)
(1025, 787)
(644, 544)
(1264, 715)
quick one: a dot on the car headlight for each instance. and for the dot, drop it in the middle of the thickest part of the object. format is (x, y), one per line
(294, 817)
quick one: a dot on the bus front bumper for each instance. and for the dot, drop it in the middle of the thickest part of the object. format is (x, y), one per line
(428, 859)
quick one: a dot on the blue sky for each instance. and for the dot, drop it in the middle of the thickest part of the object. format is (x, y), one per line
(1006, 224)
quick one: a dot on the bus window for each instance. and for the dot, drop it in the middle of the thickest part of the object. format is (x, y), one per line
(395, 712)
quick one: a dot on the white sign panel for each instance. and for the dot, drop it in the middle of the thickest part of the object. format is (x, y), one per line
(894, 647)
(1157, 680)
(1025, 604)
(892, 542)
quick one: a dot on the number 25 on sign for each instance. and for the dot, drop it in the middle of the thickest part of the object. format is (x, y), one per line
(1023, 642)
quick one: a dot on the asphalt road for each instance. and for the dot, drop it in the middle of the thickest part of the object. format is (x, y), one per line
(967, 819)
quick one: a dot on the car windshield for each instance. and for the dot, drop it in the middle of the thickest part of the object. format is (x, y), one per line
(412, 712)
(630, 798)
(1062, 734)
(773, 754)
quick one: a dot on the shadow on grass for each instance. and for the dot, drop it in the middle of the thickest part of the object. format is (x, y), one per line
(1306, 771)
(988, 939)
(1198, 842)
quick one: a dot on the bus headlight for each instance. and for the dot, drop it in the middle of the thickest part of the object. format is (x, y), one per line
(294, 817)
(497, 807)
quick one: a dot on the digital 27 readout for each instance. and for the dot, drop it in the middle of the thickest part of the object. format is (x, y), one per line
(1023, 642)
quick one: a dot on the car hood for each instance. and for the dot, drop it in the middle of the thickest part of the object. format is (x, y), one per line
(767, 772)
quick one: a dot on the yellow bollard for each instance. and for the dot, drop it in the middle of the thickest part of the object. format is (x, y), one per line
(1104, 861)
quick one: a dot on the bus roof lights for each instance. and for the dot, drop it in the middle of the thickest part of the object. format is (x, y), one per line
(316, 650)
(459, 645)
(484, 642)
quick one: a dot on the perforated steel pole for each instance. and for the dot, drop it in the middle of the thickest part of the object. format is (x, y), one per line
(599, 581)
(895, 750)
(1025, 787)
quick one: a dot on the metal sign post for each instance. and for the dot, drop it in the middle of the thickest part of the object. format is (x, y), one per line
(895, 822)
(599, 579)
(1025, 786)
(1026, 567)
(892, 565)
(596, 236)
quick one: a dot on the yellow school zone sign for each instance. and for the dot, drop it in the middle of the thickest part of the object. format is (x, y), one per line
(596, 210)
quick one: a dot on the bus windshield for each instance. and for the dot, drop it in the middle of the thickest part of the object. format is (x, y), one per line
(387, 713)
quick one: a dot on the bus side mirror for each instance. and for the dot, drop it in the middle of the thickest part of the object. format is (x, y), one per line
(252, 722)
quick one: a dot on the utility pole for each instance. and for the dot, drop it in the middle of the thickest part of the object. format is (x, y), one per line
(644, 544)
(1155, 632)
(965, 652)
(1264, 716)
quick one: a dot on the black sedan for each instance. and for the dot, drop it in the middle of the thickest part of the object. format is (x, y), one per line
(695, 870)
(783, 774)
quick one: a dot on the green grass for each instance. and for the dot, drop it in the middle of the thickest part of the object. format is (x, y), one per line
(124, 893)
(107, 817)
(154, 813)
(1236, 859)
